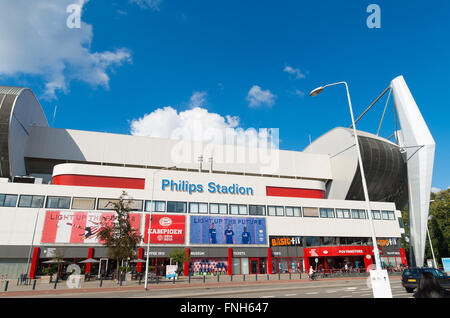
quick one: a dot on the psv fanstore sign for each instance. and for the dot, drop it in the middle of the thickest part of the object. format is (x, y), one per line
(165, 229)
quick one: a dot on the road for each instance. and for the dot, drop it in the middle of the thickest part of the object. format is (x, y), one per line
(353, 288)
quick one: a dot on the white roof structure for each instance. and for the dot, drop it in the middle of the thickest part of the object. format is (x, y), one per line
(415, 138)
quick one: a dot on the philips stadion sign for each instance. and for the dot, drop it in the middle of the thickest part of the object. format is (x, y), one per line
(211, 187)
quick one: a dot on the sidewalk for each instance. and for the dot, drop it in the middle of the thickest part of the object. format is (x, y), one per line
(15, 290)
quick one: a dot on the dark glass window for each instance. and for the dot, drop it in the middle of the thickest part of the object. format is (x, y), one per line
(257, 209)
(177, 207)
(58, 203)
(31, 201)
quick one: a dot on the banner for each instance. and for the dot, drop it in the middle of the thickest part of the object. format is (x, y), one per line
(165, 229)
(79, 227)
(227, 230)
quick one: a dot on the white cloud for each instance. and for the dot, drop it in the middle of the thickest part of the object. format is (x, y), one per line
(35, 40)
(294, 72)
(152, 4)
(257, 97)
(299, 93)
(197, 99)
(435, 190)
(198, 124)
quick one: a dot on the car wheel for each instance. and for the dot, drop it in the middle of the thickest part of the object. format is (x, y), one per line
(409, 290)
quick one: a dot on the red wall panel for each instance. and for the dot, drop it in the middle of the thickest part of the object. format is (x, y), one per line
(99, 181)
(295, 192)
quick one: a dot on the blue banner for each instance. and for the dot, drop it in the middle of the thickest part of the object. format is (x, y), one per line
(227, 230)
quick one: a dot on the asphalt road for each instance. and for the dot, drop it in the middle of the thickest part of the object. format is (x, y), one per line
(301, 289)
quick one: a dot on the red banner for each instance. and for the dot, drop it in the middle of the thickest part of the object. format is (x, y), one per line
(79, 227)
(338, 251)
(166, 229)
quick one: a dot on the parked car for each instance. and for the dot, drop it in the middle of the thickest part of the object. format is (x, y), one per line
(411, 277)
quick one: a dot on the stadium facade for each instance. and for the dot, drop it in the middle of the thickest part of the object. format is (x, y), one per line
(293, 211)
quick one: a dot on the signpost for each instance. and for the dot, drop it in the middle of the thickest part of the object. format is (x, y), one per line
(380, 283)
(171, 271)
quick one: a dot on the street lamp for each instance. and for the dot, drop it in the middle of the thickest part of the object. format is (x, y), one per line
(150, 221)
(317, 91)
(429, 238)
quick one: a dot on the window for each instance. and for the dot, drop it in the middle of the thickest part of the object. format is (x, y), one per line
(385, 215)
(400, 223)
(31, 201)
(238, 209)
(201, 208)
(177, 207)
(107, 204)
(134, 205)
(58, 202)
(218, 208)
(293, 211)
(376, 214)
(311, 212)
(343, 213)
(358, 214)
(275, 210)
(83, 203)
(8, 200)
(312, 240)
(155, 206)
(391, 215)
(326, 213)
(257, 210)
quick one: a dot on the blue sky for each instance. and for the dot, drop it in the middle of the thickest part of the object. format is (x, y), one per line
(162, 54)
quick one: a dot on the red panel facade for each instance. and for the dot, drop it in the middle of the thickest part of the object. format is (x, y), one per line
(99, 181)
(34, 261)
(295, 192)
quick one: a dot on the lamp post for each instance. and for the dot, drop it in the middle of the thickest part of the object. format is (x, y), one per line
(32, 239)
(150, 222)
(429, 238)
(376, 253)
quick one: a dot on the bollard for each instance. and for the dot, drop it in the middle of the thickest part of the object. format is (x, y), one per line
(256, 277)
(157, 279)
(140, 279)
(189, 278)
(218, 277)
(268, 277)
(289, 276)
(244, 277)
(231, 277)
(279, 276)
(6, 285)
(300, 276)
(204, 278)
(34, 285)
(174, 279)
(56, 282)
(101, 281)
(18, 279)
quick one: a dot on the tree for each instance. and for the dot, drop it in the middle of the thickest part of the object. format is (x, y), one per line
(120, 238)
(179, 256)
(438, 225)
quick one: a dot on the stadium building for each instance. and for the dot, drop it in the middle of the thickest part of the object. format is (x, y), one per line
(283, 214)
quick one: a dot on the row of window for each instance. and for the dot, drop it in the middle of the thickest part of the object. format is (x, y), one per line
(56, 202)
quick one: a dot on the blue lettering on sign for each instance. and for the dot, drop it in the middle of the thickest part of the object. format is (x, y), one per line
(186, 186)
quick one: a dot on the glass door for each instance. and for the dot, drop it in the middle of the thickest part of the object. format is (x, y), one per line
(254, 266)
